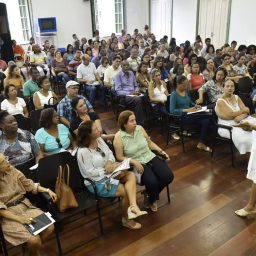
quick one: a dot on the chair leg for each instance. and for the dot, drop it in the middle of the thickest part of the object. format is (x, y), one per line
(232, 153)
(99, 215)
(56, 229)
(182, 142)
(168, 194)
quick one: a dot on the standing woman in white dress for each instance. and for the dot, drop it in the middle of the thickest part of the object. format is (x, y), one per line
(230, 111)
(250, 208)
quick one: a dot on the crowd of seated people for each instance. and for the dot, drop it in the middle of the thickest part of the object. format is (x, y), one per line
(138, 70)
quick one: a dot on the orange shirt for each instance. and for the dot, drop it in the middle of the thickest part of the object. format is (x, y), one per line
(196, 81)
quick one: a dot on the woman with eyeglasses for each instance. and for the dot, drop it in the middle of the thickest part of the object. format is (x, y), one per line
(52, 137)
(95, 161)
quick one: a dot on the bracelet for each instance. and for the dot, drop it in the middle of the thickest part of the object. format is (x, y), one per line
(48, 190)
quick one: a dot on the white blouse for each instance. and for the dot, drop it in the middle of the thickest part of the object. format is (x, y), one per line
(13, 109)
(91, 162)
(159, 93)
(44, 100)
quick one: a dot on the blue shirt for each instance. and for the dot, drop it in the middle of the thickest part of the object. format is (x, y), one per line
(49, 141)
(178, 103)
(64, 107)
(124, 85)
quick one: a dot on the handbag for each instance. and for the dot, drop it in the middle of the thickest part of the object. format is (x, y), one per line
(65, 195)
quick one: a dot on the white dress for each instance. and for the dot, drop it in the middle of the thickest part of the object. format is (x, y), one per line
(242, 139)
(251, 174)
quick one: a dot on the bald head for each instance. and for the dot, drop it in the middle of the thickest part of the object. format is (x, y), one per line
(86, 59)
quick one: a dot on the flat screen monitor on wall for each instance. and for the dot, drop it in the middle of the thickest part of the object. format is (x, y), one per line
(47, 25)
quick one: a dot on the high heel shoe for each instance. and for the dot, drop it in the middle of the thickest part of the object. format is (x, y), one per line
(133, 215)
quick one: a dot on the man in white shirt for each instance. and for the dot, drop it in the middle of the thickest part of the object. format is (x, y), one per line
(111, 72)
(87, 75)
(142, 47)
(134, 60)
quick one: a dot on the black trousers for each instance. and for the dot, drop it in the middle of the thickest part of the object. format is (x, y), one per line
(156, 176)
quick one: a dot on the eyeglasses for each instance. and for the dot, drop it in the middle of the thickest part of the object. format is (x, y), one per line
(100, 151)
(58, 141)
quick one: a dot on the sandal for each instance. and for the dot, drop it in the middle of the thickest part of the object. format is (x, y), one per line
(205, 148)
(131, 224)
(243, 213)
(187, 134)
(175, 136)
(133, 214)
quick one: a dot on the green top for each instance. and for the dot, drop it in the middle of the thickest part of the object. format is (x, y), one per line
(136, 146)
(30, 87)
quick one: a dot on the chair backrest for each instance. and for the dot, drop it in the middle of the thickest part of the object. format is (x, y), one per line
(48, 170)
(23, 122)
(245, 85)
(24, 168)
(34, 117)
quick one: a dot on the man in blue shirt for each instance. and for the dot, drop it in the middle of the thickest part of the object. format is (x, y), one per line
(126, 85)
(64, 108)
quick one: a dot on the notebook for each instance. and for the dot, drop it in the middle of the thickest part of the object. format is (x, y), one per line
(43, 221)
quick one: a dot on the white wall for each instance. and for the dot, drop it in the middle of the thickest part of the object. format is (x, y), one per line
(72, 17)
(184, 20)
(137, 15)
(14, 19)
(242, 22)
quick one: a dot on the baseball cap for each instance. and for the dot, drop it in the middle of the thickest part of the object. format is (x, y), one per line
(70, 83)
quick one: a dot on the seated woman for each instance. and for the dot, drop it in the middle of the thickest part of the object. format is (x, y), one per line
(159, 64)
(230, 111)
(142, 77)
(195, 78)
(44, 95)
(210, 52)
(80, 114)
(214, 88)
(69, 55)
(14, 77)
(12, 104)
(240, 67)
(16, 144)
(60, 68)
(133, 142)
(188, 67)
(158, 92)
(208, 73)
(52, 137)
(181, 104)
(16, 210)
(95, 160)
(102, 68)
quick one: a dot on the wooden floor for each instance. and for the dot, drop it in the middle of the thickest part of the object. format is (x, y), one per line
(199, 221)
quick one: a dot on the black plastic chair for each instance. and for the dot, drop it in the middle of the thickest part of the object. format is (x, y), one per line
(34, 118)
(219, 139)
(47, 178)
(23, 122)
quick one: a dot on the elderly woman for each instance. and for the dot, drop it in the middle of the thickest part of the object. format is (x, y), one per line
(44, 96)
(95, 161)
(208, 73)
(181, 105)
(16, 144)
(52, 137)
(12, 104)
(214, 88)
(16, 210)
(133, 142)
(230, 111)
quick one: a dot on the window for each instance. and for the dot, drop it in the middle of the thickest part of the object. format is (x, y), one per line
(96, 14)
(119, 16)
(25, 21)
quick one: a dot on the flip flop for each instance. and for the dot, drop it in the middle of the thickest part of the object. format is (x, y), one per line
(205, 148)
(243, 213)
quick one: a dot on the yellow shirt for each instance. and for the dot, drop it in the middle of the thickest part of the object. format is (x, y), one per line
(17, 82)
